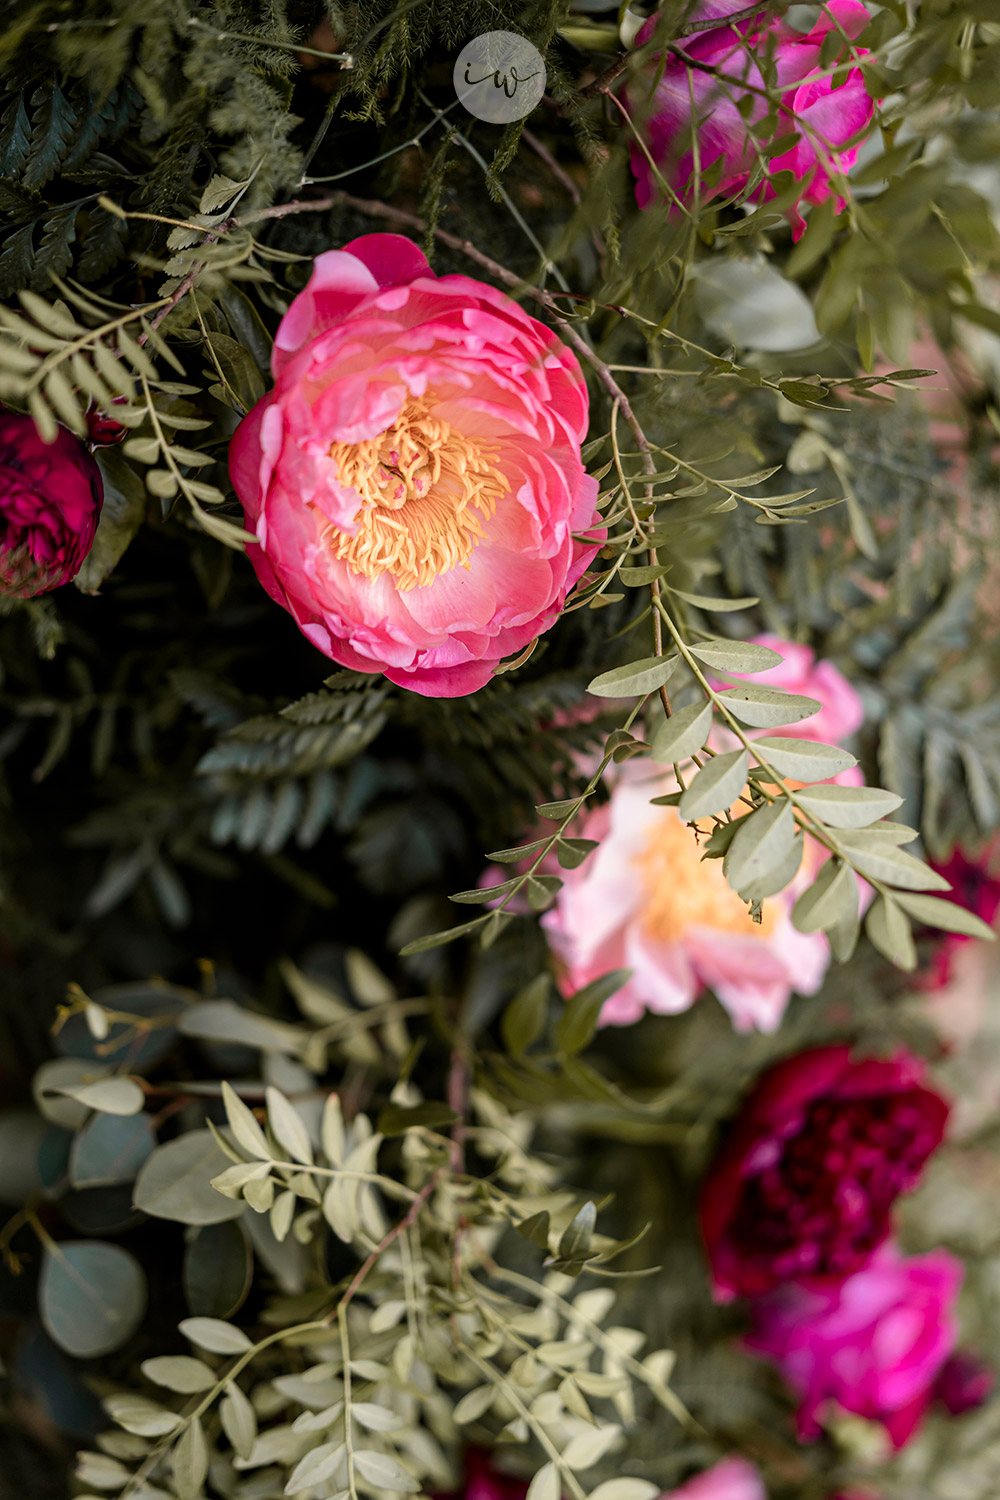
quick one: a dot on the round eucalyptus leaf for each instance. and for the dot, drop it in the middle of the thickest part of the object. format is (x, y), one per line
(218, 1269)
(91, 1296)
(176, 1182)
(60, 1073)
(147, 1001)
(110, 1149)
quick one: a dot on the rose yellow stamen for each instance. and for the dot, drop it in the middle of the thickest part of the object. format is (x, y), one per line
(682, 890)
(426, 490)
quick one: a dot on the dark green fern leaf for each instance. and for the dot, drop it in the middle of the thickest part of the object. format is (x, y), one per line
(52, 133)
(103, 244)
(15, 137)
(55, 253)
(17, 262)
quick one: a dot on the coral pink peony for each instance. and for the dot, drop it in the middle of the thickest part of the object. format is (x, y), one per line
(824, 111)
(414, 478)
(50, 500)
(805, 1184)
(733, 1479)
(645, 900)
(872, 1345)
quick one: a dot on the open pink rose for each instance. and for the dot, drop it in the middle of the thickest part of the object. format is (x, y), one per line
(703, 96)
(872, 1345)
(414, 478)
(733, 1479)
(805, 1183)
(50, 501)
(645, 900)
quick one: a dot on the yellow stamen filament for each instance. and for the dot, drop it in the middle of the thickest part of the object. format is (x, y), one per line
(682, 890)
(426, 490)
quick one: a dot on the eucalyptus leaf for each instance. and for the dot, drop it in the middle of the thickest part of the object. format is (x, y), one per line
(91, 1296)
(888, 927)
(763, 840)
(766, 708)
(109, 1149)
(179, 1372)
(946, 915)
(715, 787)
(176, 1182)
(215, 1335)
(848, 806)
(636, 679)
(805, 760)
(832, 896)
(683, 734)
(736, 656)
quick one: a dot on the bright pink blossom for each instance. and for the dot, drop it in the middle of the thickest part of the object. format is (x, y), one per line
(975, 885)
(805, 1183)
(872, 1345)
(50, 500)
(732, 1479)
(825, 112)
(414, 478)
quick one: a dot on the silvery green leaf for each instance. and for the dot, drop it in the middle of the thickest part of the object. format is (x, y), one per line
(234, 1180)
(282, 1214)
(112, 1096)
(806, 760)
(888, 927)
(100, 1472)
(893, 866)
(715, 787)
(244, 1126)
(763, 840)
(474, 1404)
(239, 1420)
(318, 1464)
(736, 656)
(574, 1243)
(636, 679)
(176, 1182)
(190, 1461)
(376, 1418)
(546, 1484)
(332, 1130)
(215, 1335)
(625, 1489)
(91, 1296)
(888, 833)
(848, 806)
(766, 708)
(110, 1149)
(179, 1372)
(777, 879)
(946, 915)
(586, 1448)
(832, 896)
(383, 1473)
(287, 1127)
(141, 1416)
(683, 734)
(258, 1192)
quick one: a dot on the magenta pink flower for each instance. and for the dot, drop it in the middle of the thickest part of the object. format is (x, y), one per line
(50, 500)
(688, 100)
(975, 884)
(872, 1345)
(964, 1383)
(732, 1479)
(414, 478)
(805, 1184)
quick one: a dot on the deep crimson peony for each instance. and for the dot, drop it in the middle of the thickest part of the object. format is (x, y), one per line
(975, 885)
(871, 1345)
(964, 1383)
(50, 499)
(823, 111)
(414, 478)
(805, 1184)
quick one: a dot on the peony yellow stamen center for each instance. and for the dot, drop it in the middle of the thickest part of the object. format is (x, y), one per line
(426, 490)
(682, 890)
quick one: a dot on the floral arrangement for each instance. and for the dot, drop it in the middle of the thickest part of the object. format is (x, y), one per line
(494, 456)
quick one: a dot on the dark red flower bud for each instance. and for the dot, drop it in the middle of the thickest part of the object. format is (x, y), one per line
(805, 1184)
(50, 499)
(965, 1382)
